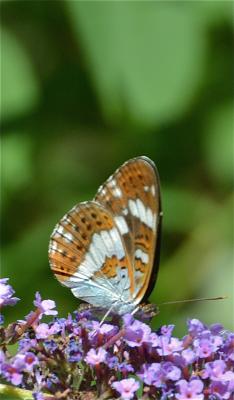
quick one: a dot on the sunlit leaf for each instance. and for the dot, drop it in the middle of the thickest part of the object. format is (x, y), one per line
(178, 204)
(16, 161)
(218, 143)
(215, 11)
(8, 392)
(195, 269)
(145, 58)
(20, 91)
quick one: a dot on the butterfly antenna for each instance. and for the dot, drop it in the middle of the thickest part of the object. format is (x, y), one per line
(193, 300)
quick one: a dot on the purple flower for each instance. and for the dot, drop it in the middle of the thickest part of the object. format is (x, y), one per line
(112, 362)
(195, 327)
(38, 396)
(26, 344)
(124, 367)
(55, 327)
(95, 357)
(214, 370)
(171, 372)
(2, 360)
(106, 330)
(45, 306)
(219, 390)
(152, 374)
(167, 330)
(55, 357)
(74, 351)
(188, 356)
(83, 315)
(30, 361)
(228, 348)
(217, 341)
(204, 347)
(25, 361)
(52, 381)
(42, 331)
(6, 293)
(137, 333)
(12, 374)
(169, 345)
(126, 387)
(50, 345)
(128, 320)
(158, 373)
(190, 390)
(216, 329)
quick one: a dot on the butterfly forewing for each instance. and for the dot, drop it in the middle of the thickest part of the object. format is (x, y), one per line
(132, 195)
(88, 255)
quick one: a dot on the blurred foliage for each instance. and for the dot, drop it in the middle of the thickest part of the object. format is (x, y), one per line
(19, 87)
(88, 85)
(138, 78)
(13, 393)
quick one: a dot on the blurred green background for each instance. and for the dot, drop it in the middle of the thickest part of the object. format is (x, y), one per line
(88, 85)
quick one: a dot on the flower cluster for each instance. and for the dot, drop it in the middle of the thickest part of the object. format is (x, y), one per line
(6, 293)
(79, 358)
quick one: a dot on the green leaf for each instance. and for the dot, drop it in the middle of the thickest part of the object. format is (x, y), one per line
(219, 144)
(215, 11)
(146, 58)
(179, 203)
(16, 161)
(199, 267)
(19, 93)
(139, 392)
(8, 392)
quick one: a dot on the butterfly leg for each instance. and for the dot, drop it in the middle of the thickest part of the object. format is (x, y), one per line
(135, 310)
(105, 316)
(108, 312)
(84, 307)
(146, 311)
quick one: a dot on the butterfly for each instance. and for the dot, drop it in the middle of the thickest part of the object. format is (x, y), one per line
(107, 250)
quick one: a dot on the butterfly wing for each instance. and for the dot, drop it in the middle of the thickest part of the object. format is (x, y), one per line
(132, 195)
(87, 254)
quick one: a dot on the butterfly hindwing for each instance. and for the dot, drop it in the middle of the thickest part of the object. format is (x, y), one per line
(132, 195)
(88, 255)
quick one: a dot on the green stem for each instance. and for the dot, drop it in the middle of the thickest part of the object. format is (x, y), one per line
(13, 393)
